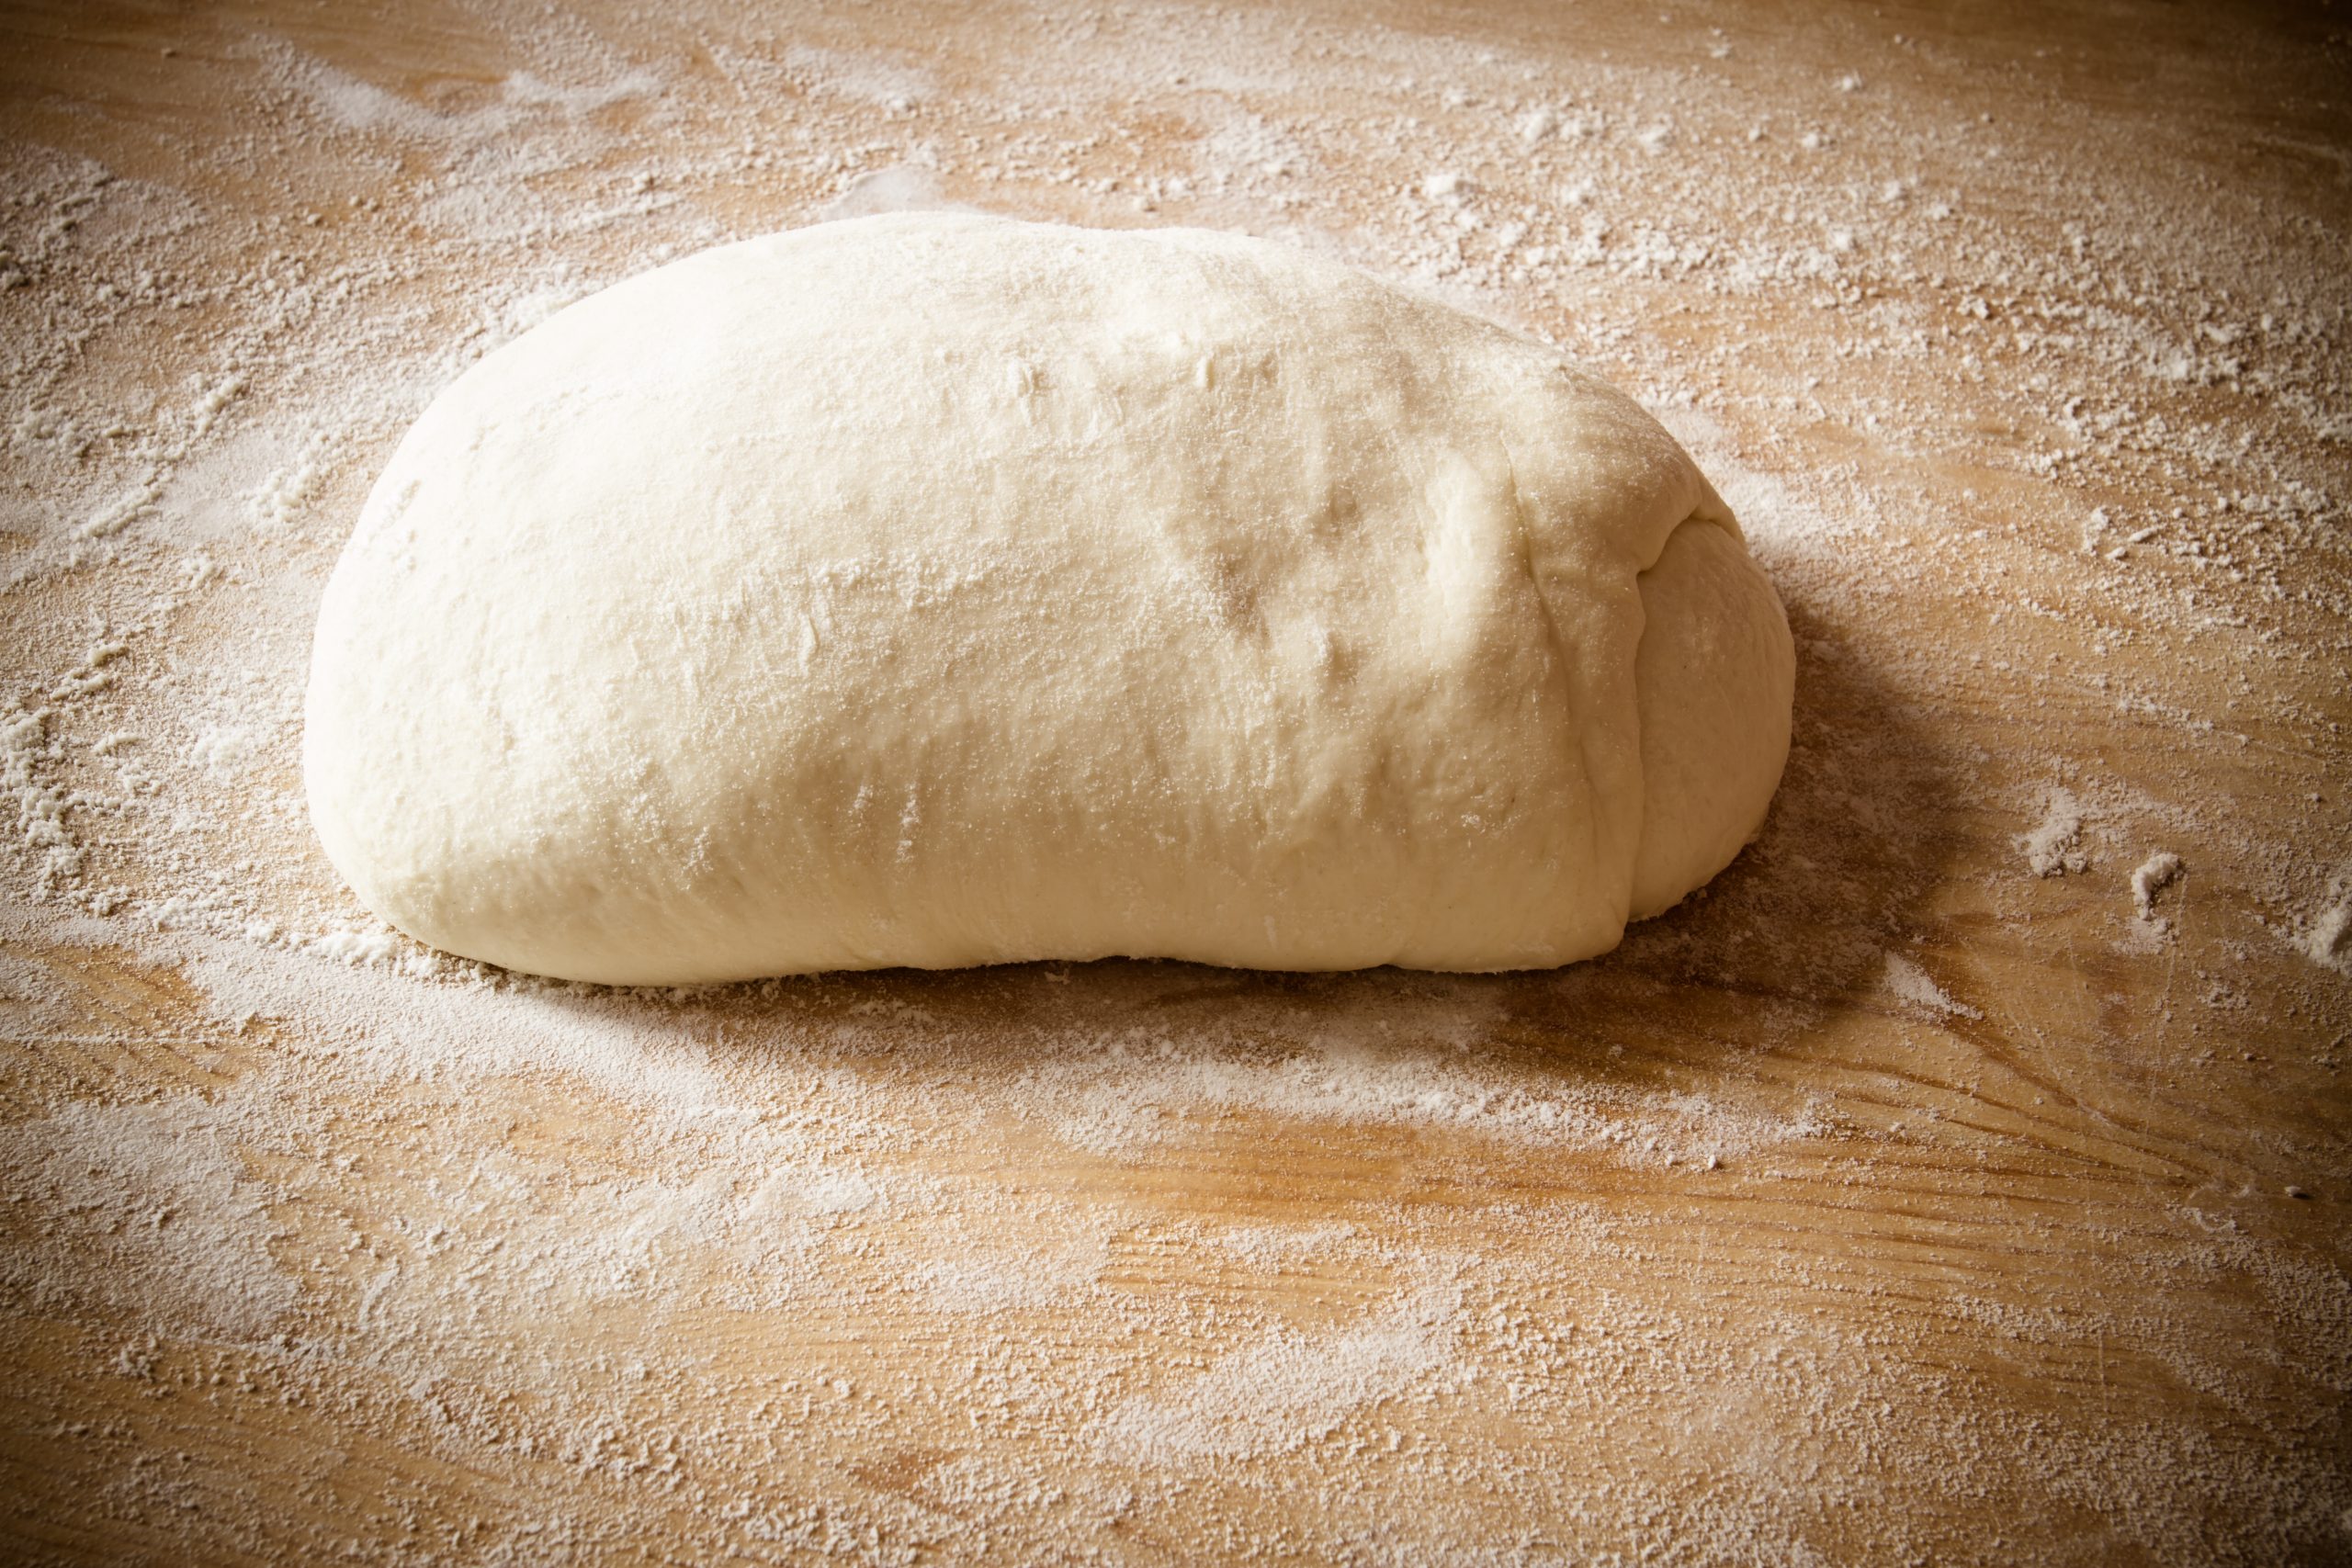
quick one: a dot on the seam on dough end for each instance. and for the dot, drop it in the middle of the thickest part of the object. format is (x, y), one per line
(1580, 727)
(1720, 516)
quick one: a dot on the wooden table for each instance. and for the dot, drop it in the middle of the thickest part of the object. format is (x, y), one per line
(1893, 1201)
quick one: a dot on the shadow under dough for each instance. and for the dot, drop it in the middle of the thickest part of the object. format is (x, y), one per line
(1798, 925)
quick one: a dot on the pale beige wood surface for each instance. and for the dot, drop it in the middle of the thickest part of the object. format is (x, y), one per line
(1890, 1202)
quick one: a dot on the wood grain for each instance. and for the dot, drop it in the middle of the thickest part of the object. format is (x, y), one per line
(1887, 1202)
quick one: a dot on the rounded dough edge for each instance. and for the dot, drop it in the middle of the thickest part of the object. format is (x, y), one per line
(1715, 682)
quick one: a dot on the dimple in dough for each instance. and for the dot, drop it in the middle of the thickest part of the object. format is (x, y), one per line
(938, 589)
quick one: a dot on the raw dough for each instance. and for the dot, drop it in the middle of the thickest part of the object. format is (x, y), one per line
(935, 590)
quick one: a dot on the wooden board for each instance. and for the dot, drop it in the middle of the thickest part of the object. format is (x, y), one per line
(1921, 1192)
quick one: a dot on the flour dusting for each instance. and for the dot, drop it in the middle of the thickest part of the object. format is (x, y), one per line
(1930, 1184)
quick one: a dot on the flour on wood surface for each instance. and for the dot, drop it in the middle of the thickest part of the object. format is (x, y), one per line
(2054, 847)
(2155, 873)
(1062, 1260)
(160, 1221)
(1916, 987)
(2325, 937)
(1288, 1389)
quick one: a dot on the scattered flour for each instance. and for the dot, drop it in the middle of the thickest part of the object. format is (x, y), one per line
(2155, 873)
(2055, 846)
(1915, 986)
(2326, 935)
(1064, 1262)
(155, 1218)
(1290, 1389)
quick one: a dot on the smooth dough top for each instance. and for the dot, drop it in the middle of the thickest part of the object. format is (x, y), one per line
(937, 589)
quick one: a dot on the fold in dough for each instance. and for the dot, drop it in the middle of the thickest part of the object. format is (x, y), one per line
(1715, 679)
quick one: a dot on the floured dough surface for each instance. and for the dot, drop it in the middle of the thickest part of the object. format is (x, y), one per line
(936, 590)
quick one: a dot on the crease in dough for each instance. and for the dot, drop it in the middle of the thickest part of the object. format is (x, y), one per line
(1716, 674)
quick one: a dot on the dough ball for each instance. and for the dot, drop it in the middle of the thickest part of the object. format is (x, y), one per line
(938, 589)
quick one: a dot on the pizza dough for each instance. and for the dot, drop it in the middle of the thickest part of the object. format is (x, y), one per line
(937, 589)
